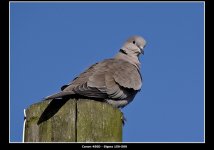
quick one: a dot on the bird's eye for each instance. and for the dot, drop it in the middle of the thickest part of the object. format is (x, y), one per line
(133, 42)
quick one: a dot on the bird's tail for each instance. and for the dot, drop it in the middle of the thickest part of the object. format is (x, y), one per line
(59, 95)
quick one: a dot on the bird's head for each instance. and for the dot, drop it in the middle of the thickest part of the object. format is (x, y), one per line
(134, 46)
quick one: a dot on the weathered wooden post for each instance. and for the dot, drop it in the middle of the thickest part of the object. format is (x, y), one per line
(73, 121)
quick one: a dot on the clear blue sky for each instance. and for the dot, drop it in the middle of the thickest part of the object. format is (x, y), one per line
(51, 43)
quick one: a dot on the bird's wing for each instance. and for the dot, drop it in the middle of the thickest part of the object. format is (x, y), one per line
(127, 76)
(110, 78)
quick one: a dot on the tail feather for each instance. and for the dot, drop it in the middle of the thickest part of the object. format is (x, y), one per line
(59, 95)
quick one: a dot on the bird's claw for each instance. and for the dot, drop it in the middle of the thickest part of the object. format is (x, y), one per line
(123, 119)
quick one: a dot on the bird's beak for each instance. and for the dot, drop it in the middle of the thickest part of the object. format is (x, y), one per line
(142, 51)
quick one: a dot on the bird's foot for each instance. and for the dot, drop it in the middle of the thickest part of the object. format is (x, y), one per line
(123, 118)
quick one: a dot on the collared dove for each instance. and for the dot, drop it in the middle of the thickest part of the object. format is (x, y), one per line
(115, 81)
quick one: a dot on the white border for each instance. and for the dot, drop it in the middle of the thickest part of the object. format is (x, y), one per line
(104, 2)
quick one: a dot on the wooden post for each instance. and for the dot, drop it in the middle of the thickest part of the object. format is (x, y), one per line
(73, 121)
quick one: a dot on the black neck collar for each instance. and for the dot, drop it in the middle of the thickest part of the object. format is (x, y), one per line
(122, 51)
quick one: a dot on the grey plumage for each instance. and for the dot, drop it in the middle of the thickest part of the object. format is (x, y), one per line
(115, 80)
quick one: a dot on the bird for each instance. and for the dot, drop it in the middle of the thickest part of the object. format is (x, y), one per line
(115, 81)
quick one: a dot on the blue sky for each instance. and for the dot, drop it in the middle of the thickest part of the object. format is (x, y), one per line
(51, 43)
